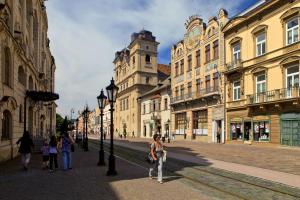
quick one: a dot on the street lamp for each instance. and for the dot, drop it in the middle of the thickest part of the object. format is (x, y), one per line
(112, 91)
(101, 102)
(85, 113)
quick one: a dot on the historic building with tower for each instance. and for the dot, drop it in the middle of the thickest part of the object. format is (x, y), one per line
(27, 74)
(136, 72)
(197, 84)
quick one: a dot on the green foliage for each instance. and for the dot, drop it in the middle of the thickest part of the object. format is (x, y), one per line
(59, 122)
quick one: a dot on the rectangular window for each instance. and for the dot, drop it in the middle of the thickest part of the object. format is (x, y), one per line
(261, 44)
(198, 60)
(182, 67)
(200, 122)
(144, 108)
(216, 81)
(182, 91)
(180, 123)
(261, 131)
(207, 83)
(292, 80)
(292, 31)
(166, 103)
(198, 85)
(207, 53)
(190, 89)
(236, 90)
(216, 49)
(236, 51)
(260, 83)
(189, 63)
(176, 69)
(176, 92)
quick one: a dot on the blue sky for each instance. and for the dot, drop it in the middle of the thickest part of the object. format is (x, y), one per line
(85, 34)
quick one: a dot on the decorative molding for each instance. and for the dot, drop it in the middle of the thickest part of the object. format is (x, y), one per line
(259, 28)
(235, 39)
(289, 13)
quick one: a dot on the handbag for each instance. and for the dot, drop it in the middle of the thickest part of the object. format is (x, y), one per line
(149, 158)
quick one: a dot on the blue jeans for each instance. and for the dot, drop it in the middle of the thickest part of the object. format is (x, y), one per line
(67, 159)
(157, 166)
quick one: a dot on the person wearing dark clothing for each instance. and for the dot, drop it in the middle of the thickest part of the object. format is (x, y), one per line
(53, 153)
(25, 148)
(218, 135)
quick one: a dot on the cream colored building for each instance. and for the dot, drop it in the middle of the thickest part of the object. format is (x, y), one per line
(262, 74)
(155, 110)
(26, 64)
(197, 85)
(135, 74)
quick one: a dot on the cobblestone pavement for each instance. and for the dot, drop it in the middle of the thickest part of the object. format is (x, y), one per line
(87, 181)
(278, 158)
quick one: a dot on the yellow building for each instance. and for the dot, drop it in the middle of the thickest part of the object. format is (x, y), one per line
(26, 65)
(262, 73)
(198, 110)
(135, 73)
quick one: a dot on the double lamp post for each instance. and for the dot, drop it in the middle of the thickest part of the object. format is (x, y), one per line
(112, 91)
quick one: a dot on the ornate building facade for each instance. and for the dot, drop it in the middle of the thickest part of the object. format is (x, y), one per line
(197, 85)
(262, 74)
(26, 65)
(135, 74)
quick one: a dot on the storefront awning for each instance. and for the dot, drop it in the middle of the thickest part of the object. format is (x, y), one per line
(42, 96)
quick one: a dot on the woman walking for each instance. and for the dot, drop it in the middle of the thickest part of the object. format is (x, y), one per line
(66, 142)
(25, 149)
(156, 151)
(53, 153)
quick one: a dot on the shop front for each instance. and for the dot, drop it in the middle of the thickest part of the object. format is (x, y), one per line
(181, 124)
(290, 129)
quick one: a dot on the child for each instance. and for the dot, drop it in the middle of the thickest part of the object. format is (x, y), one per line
(45, 152)
(53, 153)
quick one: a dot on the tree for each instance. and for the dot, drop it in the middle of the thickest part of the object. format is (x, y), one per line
(59, 122)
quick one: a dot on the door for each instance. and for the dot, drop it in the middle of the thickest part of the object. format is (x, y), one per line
(290, 132)
(247, 131)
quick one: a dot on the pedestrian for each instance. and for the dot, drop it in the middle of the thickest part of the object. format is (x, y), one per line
(133, 136)
(66, 142)
(53, 153)
(218, 135)
(25, 149)
(156, 151)
(125, 133)
(45, 153)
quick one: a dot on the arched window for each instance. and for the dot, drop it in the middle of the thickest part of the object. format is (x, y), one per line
(21, 76)
(7, 67)
(148, 58)
(30, 82)
(6, 125)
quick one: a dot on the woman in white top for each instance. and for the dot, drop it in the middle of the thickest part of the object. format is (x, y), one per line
(156, 151)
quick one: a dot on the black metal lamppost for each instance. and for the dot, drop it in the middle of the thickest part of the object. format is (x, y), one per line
(101, 103)
(112, 91)
(85, 113)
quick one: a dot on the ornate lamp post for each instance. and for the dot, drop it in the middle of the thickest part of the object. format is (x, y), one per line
(101, 103)
(112, 91)
(85, 113)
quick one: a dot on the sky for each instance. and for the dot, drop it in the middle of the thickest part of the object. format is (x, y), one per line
(85, 34)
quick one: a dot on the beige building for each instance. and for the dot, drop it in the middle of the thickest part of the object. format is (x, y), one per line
(155, 110)
(26, 65)
(136, 72)
(262, 74)
(197, 100)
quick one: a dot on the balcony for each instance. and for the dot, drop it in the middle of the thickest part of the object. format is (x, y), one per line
(233, 66)
(235, 104)
(195, 95)
(179, 78)
(284, 94)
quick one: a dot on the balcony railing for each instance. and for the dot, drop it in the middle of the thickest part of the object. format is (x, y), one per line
(195, 95)
(234, 65)
(274, 95)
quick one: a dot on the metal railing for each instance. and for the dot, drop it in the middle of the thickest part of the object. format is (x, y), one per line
(274, 95)
(235, 64)
(195, 95)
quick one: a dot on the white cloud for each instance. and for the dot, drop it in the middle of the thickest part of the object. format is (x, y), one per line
(85, 34)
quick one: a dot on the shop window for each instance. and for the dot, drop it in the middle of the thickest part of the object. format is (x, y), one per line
(292, 31)
(200, 122)
(180, 123)
(236, 90)
(6, 125)
(236, 131)
(261, 44)
(261, 131)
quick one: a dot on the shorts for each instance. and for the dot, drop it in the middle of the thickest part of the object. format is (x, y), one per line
(45, 158)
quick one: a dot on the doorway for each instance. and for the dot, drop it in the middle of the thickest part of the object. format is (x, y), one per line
(247, 131)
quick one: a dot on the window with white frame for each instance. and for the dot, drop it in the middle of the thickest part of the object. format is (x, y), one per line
(261, 44)
(236, 90)
(260, 83)
(236, 51)
(292, 31)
